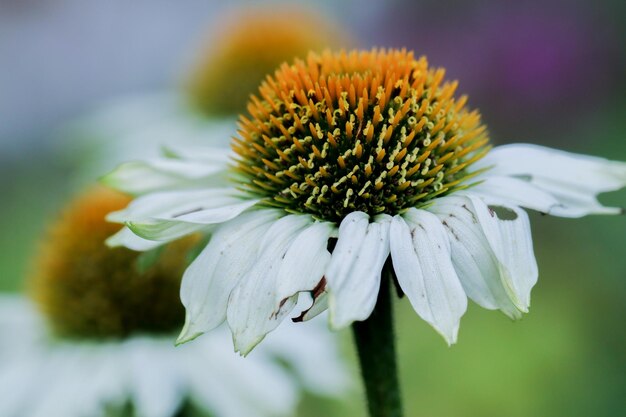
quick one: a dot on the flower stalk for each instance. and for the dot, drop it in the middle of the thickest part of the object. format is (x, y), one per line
(375, 342)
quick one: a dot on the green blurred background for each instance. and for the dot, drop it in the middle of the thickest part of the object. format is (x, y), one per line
(549, 72)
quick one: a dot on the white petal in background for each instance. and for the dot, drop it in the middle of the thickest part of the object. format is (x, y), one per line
(211, 156)
(209, 280)
(22, 379)
(64, 389)
(324, 377)
(135, 127)
(156, 385)
(420, 251)
(353, 273)
(236, 386)
(573, 179)
(160, 174)
(57, 378)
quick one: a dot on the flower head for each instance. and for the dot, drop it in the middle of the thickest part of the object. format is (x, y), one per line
(372, 131)
(347, 161)
(252, 44)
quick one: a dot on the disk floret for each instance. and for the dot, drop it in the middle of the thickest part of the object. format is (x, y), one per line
(375, 131)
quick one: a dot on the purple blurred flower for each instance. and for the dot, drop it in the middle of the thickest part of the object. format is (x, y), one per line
(515, 61)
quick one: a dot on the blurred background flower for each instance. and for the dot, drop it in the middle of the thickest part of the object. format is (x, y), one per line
(103, 343)
(548, 72)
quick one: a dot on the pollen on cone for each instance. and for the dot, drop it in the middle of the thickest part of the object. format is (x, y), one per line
(375, 131)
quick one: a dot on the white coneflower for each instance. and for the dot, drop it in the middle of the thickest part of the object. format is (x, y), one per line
(104, 346)
(350, 164)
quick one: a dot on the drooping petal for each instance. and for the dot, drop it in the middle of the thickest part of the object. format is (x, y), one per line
(158, 174)
(167, 204)
(472, 256)
(574, 202)
(518, 192)
(126, 238)
(507, 229)
(304, 266)
(304, 263)
(168, 215)
(254, 308)
(353, 274)
(421, 257)
(209, 280)
(170, 229)
(573, 179)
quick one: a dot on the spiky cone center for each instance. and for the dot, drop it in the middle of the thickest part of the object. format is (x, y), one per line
(88, 291)
(375, 131)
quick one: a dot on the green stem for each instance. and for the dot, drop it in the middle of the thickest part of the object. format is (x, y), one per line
(375, 342)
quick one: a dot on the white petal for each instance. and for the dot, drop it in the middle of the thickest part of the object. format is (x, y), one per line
(507, 230)
(156, 387)
(227, 385)
(211, 156)
(516, 191)
(353, 273)
(66, 389)
(20, 319)
(304, 263)
(169, 204)
(106, 386)
(169, 229)
(472, 256)
(157, 174)
(164, 231)
(574, 202)
(158, 203)
(420, 252)
(125, 237)
(313, 353)
(22, 379)
(573, 179)
(254, 308)
(209, 280)
(168, 215)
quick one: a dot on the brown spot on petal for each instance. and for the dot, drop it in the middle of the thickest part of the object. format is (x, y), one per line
(315, 293)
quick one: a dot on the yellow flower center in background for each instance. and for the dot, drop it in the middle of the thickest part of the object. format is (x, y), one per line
(87, 290)
(250, 45)
(375, 131)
